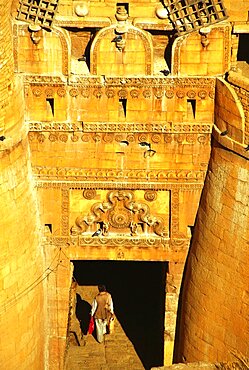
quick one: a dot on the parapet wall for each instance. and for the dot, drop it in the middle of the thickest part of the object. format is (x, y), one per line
(215, 294)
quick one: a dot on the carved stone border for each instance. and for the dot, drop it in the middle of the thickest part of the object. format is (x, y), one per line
(117, 185)
(146, 82)
(174, 212)
(64, 211)
(175, 245)
(69, 174)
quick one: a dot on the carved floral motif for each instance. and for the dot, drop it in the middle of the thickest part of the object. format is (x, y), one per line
(89, 193)
(150, 195)
(121, 212)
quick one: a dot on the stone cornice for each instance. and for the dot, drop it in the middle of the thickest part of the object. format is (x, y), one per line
(143, 185)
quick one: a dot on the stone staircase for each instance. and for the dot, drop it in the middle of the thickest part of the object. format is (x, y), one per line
(115, 353)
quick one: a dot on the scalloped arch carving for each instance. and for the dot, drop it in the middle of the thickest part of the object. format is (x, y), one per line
(106, 58)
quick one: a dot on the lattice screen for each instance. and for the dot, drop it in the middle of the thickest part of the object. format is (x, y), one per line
(40, 12)
(190, 15)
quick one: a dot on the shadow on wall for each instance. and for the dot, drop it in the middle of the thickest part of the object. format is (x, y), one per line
(82, 312)
(138, 291)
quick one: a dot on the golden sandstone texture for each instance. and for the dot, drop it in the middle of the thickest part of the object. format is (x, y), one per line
(123, 119)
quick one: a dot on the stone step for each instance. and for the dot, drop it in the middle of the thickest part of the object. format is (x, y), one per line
(115, 353)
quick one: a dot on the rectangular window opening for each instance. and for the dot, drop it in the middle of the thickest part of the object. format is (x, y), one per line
(50, 105)
(49, 227)
(191, 107)
(122, 107)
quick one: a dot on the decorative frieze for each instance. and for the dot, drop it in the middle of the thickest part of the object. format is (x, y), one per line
(143, 185)
(175, 245)
(127, 82)
(68, 174)
(53, 131)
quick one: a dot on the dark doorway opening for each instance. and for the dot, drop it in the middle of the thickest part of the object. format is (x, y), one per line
(243, 54)
(138, 291)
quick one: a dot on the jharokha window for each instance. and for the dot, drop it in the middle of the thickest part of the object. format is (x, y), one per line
(190, 15)
(40, 12)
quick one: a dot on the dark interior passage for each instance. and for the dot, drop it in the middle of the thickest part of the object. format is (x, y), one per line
(138, 291)
(243, 54)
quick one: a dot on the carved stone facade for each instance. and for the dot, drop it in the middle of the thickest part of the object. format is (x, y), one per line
(118, 114)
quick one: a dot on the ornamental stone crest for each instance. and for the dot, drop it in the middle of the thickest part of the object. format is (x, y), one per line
(119, 214)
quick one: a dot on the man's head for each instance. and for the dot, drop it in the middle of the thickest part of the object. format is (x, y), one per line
(102, 288)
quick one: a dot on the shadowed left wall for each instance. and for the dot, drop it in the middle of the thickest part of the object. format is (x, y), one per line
(22, 322)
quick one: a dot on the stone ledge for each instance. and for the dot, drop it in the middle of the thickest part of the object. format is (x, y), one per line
(238, 80)
(229, 143)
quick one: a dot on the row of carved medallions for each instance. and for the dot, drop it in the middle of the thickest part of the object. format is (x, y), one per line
(81, 174)
(155, 138)
(120, 213)
(123, 93)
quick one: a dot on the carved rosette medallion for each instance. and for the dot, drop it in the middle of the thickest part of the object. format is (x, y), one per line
(110, 93)
(134, 93)
(168, 138)
(85, 138)
(158, 93)
(61, 92)
(74, 138)
(156, 138)
(97, 93)
(131, 138)
(37, 91)
(123, 94)
(150, 195)
(202, 94)
(53, 137)
(142, 137)
(180, 94)
(85, 93)
(169, 94)
(211, 94)
(89, 194)
(74, 92)
(191, 94)
(63, 138)
(49, 92)
(147, 93)
(120, 218)
(41, 138)
(108, 138)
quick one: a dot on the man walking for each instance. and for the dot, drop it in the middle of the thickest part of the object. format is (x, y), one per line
(102, 311)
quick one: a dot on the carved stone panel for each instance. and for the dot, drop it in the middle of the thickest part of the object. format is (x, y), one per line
(120, 213)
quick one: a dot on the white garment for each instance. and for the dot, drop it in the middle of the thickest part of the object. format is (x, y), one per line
(101, 324)
(101, 329)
